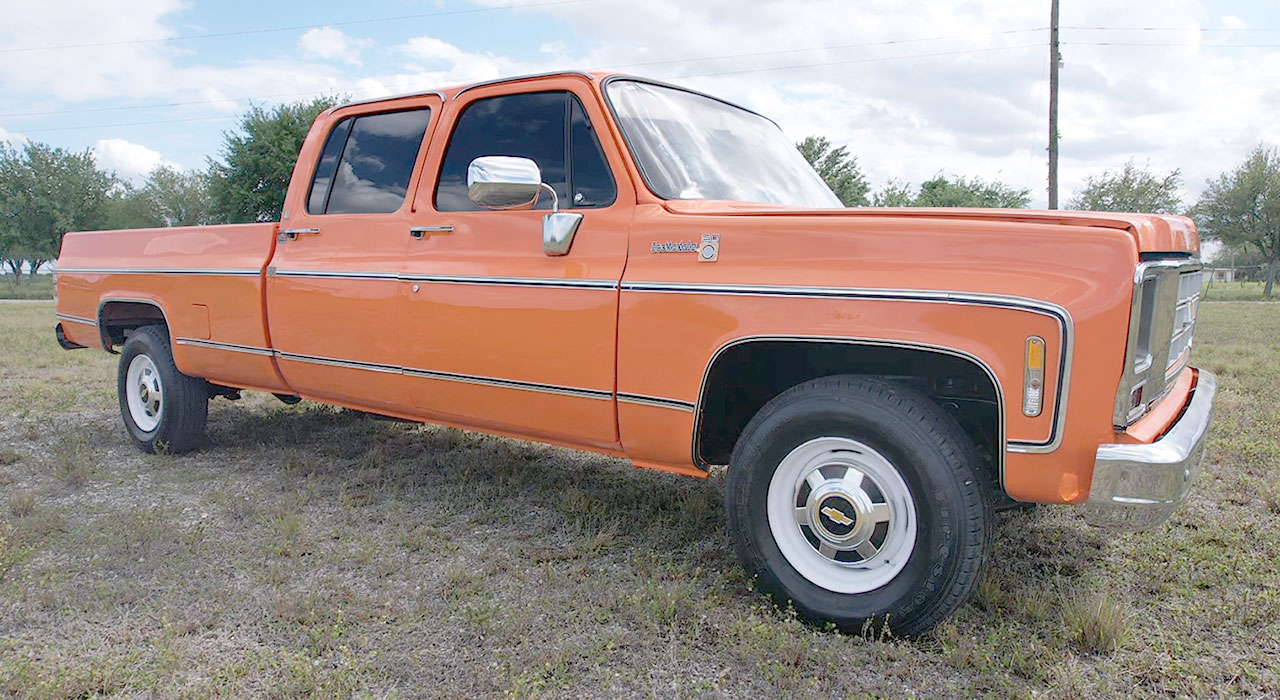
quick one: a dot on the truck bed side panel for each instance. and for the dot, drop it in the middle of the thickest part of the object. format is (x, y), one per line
(207, 280)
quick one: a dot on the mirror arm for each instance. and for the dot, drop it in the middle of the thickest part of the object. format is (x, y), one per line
(555, 201)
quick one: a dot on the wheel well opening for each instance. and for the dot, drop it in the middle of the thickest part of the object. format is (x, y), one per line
(744, 377)
(117, 319)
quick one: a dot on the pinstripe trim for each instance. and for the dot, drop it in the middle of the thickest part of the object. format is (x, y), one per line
(451, 376)
(154, 271)
(656, 401)
(334, 362)
(214, 345)
(541, 282)
(554, 282)
(336, 274)
(510, 384)
(77, 319)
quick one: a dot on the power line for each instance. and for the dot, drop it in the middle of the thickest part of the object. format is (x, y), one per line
(862, 60)
(159, 105)
(1176, 29)
(269, 30)
(620, 65)
(128, 124)
(828, 48)
(1171, 44)
(686, 75)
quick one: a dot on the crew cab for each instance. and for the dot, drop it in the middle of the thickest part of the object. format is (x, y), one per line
(615, 264)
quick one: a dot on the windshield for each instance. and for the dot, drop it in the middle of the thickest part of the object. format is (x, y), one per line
(690, 146)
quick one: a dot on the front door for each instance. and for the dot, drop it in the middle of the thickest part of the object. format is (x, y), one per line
(495, 332)
(333, 289)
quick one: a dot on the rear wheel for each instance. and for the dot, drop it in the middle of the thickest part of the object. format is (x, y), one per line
(162, 407)
(858, 501)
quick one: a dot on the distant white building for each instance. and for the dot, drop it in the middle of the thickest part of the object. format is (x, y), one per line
(1224, 274)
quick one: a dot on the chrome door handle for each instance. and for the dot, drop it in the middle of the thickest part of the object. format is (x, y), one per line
(293, 233)
(421, 232)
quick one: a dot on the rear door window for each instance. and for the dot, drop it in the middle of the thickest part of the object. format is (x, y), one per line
(367, 162)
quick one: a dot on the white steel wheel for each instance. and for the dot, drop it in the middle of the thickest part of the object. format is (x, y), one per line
(856, 501)
(841, 515)
(163, 409)
(144, 393)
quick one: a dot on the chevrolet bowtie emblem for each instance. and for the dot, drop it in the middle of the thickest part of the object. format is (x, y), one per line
(837, 516)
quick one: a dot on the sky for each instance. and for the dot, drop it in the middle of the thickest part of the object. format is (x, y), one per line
(913, 88)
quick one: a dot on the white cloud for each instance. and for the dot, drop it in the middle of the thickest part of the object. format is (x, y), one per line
(330, 43)
(131, 161)
(11, 138)
(1233, 22)
(114, 51)
(917, 88)
(437, 63)
(911, 88)
(429, 48)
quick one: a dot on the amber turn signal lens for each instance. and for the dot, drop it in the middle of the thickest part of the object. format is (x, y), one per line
(1033, 378)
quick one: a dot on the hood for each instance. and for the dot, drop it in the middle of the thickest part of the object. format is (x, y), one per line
(1150, 232)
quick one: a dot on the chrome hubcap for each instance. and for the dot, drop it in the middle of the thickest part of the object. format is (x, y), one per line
(144, 394)
(841, 514)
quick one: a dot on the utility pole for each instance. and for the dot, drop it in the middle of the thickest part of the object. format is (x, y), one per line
(1054, 59)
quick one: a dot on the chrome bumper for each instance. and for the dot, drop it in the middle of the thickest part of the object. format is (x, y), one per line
(1137, 487)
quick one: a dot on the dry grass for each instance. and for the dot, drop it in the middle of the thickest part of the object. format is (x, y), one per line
(310, 552)
(1238, 291)
(37, 287)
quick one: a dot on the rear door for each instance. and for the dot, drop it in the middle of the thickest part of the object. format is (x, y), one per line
(332, 290)
(497, 333)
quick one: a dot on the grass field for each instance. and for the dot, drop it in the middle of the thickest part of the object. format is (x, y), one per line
(310, 552)
(38, 287)
(1239, 291)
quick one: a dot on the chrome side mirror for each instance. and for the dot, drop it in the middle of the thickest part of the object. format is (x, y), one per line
(508, 182)
(503, 182)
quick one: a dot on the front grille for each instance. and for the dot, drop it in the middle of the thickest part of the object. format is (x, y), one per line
(1184, 321)
(1166, 297)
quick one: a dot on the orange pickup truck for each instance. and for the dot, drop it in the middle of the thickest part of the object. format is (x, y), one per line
(615, 264)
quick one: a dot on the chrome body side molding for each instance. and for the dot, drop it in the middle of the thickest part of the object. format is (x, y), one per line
(77, 319)
(155, 271)
(232, 347)
(656, 401)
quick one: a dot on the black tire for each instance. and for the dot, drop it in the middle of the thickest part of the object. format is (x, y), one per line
(184, 409)
(935, 460)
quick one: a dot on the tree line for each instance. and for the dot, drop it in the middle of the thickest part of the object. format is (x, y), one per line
(46, 191)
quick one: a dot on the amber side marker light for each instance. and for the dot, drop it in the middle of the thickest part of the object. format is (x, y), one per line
(1033, 378)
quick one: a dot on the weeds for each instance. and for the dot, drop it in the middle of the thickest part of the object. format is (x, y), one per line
(323, 554)
(22, 504)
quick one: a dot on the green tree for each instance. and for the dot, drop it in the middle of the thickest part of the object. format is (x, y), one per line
(168, 197)
(250, 181)
(1242, 208)
(1130, 189)
(179, 198)
(128, 207)
(838, 168)
(961, 192)
(45, 192)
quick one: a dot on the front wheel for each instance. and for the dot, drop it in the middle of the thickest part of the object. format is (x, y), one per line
(163, 409)
(858, 501)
